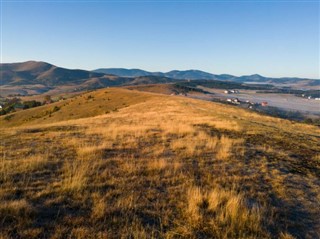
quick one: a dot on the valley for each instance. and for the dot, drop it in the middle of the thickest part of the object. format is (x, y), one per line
(157, 119)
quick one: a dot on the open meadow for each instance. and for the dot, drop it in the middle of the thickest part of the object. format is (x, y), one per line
(119, 163)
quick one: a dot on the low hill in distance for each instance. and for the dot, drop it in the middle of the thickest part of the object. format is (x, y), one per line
(115, 163)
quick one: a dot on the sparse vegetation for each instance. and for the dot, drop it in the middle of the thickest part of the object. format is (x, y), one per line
(10, 105)
(219, 84)
(161, 167)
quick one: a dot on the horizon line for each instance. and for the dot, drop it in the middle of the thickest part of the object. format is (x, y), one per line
(142, 69)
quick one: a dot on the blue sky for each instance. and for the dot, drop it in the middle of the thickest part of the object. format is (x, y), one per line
(272, 38)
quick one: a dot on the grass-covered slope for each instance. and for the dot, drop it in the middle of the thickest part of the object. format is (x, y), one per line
(157, 167)
(82, 106)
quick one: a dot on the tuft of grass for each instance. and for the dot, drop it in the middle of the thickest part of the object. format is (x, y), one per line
(195, 198)
(225, 211)
(15, 208)
(226, 147)
(75, 175)
(99, 207)
(157, 164)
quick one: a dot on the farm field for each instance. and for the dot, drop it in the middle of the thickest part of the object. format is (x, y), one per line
(119, 163)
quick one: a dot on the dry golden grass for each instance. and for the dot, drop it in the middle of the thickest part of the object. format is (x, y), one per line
(15, 208)
(195, 199)
(155, 88)
(90, 104)
(286, 236)
(75, 175)
(157, 164)
(227, 146)
(226, 212)
(99, 207)
(24, 165)
(159, 167)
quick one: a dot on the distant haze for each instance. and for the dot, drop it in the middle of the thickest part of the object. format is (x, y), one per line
(271, 38)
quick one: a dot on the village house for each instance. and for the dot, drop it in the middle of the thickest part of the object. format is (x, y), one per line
(234, 91)
(231, 91)
(234, 101)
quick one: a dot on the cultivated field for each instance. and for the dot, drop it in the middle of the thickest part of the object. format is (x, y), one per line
(119, 163)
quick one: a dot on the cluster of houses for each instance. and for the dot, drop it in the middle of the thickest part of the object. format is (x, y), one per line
(246, 103)
(309, 97)
(235, 101)
(231, 91)
(181, 94)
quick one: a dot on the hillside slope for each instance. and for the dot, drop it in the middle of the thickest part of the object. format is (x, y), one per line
(40, 77)
(33, 72)
(82, 106)
(117, 163)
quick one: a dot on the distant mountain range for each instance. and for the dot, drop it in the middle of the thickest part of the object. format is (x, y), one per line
(33, 77)
(175, 74)
(197, 75)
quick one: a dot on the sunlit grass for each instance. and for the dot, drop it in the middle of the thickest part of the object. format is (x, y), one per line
(160, 168)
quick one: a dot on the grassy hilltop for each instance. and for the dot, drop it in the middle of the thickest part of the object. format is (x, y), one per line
(118, 163)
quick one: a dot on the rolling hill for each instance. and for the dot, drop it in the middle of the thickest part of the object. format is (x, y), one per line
(80, 106)
(33, 77)
(39, 77)
(115, 163)
(33, 72)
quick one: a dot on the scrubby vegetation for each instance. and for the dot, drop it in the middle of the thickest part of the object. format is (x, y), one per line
(299, 93)
(10, 105)
(223, 85)
(157, 167)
